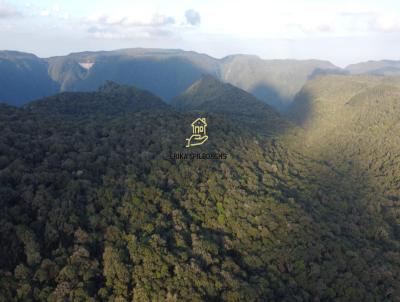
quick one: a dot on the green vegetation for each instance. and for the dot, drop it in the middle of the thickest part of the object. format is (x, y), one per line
(351, 123)
(210, 95)
(109, 101)
(93, 209)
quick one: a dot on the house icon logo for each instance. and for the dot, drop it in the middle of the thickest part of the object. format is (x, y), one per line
(199, 135)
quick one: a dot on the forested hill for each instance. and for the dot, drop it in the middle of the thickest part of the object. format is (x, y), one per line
(109, 100)
(209, 95)
(352, 122)
(95, 209)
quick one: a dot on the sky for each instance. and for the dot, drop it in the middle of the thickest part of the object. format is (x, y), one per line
(341, 31)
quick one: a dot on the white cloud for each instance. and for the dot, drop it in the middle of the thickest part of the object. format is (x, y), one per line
(388, 22)
(110, 20)
(45, 13)
(65, 16)
(192, 17)
(56, 8)
(298, 19)
(217, 27)
(363, 23)
(54, 11)
(129, 26)
(131, 34)
(126, 27)
(7, 10)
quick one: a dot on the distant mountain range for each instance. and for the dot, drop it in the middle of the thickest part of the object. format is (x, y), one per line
(167, 73)
(384, 67)
(24, 77)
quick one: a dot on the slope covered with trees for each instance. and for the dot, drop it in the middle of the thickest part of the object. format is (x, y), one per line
(95, 209)
(351, 123)
(109, 100)
(209, 95)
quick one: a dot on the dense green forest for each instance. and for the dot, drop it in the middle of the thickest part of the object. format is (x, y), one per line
(94, 209)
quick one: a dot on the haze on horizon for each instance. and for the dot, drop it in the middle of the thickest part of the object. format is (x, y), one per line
(340, 31)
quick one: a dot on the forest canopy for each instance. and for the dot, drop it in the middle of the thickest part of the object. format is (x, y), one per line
(93, 209)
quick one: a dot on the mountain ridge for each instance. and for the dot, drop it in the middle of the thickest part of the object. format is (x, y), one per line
(167, 73)
(24, 77)
(125, 99)
(210, 95)
(376, 67)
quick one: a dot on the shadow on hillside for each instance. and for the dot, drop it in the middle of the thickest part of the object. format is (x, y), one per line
(275, 220)
(300, 111)
(166, 77)
(335, 233)
(349, 210)
(270, 95)
(321, 72)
